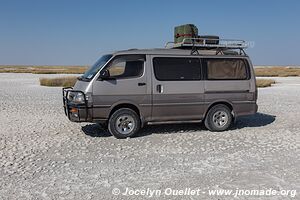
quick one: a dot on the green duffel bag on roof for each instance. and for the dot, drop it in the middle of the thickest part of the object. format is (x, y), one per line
(185, 31)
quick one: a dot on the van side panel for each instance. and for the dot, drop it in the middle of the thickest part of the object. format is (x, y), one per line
(236, 93)
(177, 100)
(110, 93)
(240, 94)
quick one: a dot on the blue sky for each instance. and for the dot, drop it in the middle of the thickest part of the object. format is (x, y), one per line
(77, 32)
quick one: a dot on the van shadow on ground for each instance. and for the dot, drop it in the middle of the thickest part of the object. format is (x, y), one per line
(257, 120)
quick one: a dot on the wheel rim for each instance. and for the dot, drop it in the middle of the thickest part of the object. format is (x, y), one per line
(125, 124)
(220, 119)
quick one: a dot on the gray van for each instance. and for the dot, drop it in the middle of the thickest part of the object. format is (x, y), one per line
(128, 89)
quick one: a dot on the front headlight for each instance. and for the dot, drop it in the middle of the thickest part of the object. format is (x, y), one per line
(71, 96)
(75, 97)
(79, 98)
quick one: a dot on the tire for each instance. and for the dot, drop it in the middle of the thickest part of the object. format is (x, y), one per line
(124, 123)
(218, 118)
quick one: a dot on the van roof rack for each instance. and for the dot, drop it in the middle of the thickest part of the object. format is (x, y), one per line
(220, 45)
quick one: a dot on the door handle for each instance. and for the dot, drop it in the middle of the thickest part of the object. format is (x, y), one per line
(141, 84)
(159, 89)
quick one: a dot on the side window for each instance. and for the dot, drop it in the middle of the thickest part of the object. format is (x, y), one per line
(128, 66)
(226, 69)
(177, 69)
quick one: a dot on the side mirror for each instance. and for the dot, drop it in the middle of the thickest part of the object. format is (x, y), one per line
(104, 74)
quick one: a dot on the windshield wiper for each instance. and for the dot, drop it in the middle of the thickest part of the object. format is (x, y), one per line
(81, 78)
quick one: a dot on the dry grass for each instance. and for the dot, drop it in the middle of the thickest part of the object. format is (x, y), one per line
(264, 82)
(260, 71)
(115, 71)
(44, 69)
(59, 82)
(277, 71)
(70, 82)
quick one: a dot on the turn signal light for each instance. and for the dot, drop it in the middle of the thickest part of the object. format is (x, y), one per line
(74, 110)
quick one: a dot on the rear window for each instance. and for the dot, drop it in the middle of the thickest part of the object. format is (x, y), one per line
(226, 69)
(176, 69)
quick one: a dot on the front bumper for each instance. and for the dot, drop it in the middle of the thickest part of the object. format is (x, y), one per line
(74, 111)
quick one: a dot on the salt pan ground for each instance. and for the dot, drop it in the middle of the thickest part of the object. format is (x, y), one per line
(45, 156)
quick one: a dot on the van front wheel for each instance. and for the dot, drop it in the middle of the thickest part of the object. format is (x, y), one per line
(218, 118)
(124, 123)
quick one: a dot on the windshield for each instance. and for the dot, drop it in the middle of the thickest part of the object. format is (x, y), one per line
(90, 73)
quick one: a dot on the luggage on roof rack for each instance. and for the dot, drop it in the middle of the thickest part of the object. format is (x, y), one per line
(186, 37)
(185, 31)
(211, 39)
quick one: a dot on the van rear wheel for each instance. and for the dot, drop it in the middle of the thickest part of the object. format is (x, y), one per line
(124, 123)
(218, 118)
